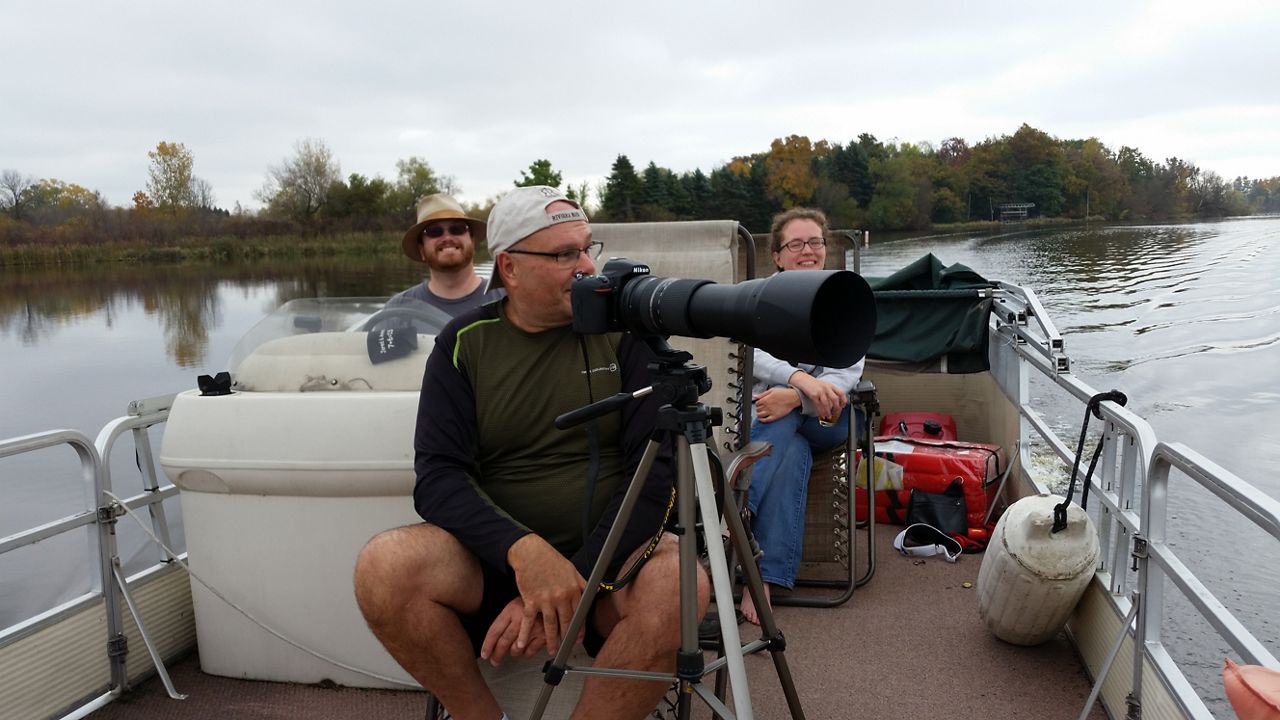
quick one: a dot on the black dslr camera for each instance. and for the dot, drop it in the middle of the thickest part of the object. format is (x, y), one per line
(596, 297)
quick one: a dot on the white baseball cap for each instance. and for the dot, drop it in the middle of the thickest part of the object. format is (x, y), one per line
(521, 213)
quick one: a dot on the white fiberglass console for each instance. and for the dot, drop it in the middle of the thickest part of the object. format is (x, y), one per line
(284, 479)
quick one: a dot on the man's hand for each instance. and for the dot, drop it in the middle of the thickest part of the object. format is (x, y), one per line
(827, 399)
(775, 403)
(500, 641)
(549, 585)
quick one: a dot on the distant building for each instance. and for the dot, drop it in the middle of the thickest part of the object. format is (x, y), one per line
(1014, 211)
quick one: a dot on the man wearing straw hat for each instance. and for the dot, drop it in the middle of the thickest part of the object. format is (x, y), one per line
(445, 239)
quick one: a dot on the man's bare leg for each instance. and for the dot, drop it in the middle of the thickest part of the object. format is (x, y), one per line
(642, 623)
(411, 583)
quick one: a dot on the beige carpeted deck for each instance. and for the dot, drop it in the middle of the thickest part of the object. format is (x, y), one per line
(909, 644)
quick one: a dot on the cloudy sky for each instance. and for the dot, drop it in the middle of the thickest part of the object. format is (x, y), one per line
(480, 89)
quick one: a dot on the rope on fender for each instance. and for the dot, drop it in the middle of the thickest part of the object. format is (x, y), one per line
(1092, 408)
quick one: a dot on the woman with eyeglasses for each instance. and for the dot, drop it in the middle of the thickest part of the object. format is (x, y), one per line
(800, 409)
(444, 238)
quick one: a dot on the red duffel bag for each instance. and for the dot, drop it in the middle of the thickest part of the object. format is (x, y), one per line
(931, 466)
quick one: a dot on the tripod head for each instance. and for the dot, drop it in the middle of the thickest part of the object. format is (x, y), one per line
(677, 382)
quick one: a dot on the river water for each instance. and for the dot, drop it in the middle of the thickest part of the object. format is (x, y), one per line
(1184, 319)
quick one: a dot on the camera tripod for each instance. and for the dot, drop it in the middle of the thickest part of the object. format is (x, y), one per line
(678, 383)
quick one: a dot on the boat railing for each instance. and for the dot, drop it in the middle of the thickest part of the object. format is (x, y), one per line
(1157, 562)
(109, 584)
(1131, 490)
(1018, 309)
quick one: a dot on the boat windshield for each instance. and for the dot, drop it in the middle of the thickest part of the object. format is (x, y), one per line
(337, 344)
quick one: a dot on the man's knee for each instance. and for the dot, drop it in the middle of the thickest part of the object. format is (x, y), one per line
(657, 591)
(419, 562)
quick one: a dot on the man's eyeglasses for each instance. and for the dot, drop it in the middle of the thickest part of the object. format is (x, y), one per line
(567, 258)
(435, 231)
(797, 245)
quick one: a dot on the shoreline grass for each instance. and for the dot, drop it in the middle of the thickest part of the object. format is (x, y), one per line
(201, 249)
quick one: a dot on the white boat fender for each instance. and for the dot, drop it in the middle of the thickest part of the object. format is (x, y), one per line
(924, 540)
(1031, 577)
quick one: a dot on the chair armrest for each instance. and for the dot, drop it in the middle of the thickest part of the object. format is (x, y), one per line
(864, 396)
(743, 458)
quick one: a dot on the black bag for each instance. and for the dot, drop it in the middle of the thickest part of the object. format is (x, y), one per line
(945, 511)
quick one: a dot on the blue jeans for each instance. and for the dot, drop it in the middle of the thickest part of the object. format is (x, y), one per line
(779, 488)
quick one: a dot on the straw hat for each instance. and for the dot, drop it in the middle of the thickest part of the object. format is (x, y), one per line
(438, 207)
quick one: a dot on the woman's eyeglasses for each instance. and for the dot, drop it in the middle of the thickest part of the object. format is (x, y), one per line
(797, 245)
(567, 258)
(435, 231)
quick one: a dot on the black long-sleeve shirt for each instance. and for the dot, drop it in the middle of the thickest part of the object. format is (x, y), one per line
(490, 465)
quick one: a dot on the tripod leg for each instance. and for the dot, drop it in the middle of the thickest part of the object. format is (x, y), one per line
(720, 580)
(755, 586)
(555, 670)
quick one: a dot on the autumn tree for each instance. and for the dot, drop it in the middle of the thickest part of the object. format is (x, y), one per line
(51, 202)
(299, 186)
(540, 173)
(169, 176)
(1092, 184)
(790, 180)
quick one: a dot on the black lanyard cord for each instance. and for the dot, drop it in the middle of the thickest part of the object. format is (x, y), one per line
(1060, 510)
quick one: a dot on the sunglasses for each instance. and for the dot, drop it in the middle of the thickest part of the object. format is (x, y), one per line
(436, 231)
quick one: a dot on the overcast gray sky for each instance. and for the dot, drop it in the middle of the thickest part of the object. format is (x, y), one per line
(481, 89)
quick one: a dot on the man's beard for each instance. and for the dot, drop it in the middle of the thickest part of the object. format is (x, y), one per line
(452, 261)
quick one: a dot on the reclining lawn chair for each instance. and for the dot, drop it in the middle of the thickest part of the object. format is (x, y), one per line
(830, 556)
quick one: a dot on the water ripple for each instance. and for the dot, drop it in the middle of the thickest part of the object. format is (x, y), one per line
(1241, 316)
(1220, 348)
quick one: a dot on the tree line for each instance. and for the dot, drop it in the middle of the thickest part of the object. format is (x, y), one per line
(876, 185)
(865, 183)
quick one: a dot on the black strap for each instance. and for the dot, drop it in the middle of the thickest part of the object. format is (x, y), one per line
(892, 507)
(593, 445)
(1060, 510)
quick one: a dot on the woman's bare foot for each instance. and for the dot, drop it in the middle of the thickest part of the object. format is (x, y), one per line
(749, 608)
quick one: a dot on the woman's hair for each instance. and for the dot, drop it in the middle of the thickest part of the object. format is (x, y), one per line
(797, 213)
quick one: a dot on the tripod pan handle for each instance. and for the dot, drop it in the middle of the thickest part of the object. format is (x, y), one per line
(597, 408)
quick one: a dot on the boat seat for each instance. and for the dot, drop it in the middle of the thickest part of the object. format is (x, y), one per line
(329, 361)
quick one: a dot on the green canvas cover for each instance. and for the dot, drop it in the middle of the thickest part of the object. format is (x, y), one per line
(933, 317)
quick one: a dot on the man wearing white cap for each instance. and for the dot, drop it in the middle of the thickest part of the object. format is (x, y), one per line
(516, 511)
(445, 239)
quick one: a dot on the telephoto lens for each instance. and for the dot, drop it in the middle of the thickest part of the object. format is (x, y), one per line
(824, 317)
